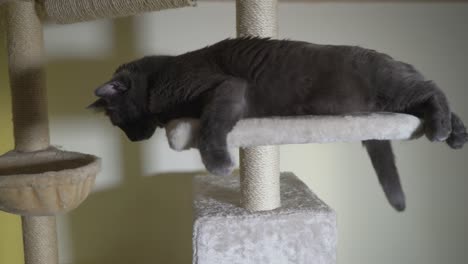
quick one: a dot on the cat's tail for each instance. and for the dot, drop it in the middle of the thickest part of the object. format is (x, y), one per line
(383, 160)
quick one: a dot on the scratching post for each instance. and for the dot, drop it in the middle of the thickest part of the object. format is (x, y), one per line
(27, 77)
(257, 18)
(259, 178)
(40, 239)
(72, 11)
(30, 122)
(37, 181)
(259, 166)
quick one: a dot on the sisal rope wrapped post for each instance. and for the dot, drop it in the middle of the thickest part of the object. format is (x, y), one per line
(257, 18)
(40, 239)
(260, 184)
(31, 128)
(259, 166)
(73, 11)
(27, 77)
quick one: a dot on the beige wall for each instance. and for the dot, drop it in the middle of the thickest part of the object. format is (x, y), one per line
(140, 209)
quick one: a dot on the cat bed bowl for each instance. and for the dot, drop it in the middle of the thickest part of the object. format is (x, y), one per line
(45, 182)
(182, 134)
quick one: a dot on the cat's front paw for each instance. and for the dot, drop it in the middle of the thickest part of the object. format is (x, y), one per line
(218, 162)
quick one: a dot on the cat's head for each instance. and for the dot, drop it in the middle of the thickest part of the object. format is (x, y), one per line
(124, 100)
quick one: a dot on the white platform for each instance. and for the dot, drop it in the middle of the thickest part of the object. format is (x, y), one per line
(302, 231)
(183, 133)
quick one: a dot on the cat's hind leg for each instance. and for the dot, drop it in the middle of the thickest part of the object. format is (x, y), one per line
(427, 101)
(440, 123)
(437, 117)
(225, 106)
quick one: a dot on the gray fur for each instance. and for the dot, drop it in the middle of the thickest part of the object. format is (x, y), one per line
(254, 77)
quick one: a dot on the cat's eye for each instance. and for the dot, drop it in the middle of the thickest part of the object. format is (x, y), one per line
(116, 86)
(119, 87)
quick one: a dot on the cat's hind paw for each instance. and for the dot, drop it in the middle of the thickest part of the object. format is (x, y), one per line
(438, 130)
(218, 162)
(459, 136)
(456, 141)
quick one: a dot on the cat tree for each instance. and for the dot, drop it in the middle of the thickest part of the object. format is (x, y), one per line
(38, 181)
(274, 218)
(279, 221)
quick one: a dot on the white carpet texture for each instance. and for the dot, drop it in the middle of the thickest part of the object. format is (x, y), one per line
(183, 133)
(303, 230)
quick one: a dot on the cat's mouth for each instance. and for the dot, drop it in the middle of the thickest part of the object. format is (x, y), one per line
(99, 105)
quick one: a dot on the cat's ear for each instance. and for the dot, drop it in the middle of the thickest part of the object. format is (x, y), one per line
(110, 89)
(98, 106)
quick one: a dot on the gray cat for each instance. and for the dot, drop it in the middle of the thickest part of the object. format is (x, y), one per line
(256, 77)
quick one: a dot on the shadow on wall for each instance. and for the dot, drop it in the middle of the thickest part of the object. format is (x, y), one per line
(145, 219)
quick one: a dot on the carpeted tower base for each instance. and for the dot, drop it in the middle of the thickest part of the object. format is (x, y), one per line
(302, 231)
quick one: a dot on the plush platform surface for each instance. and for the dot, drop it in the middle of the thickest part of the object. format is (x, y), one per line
(302, 231)
(183, 133)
